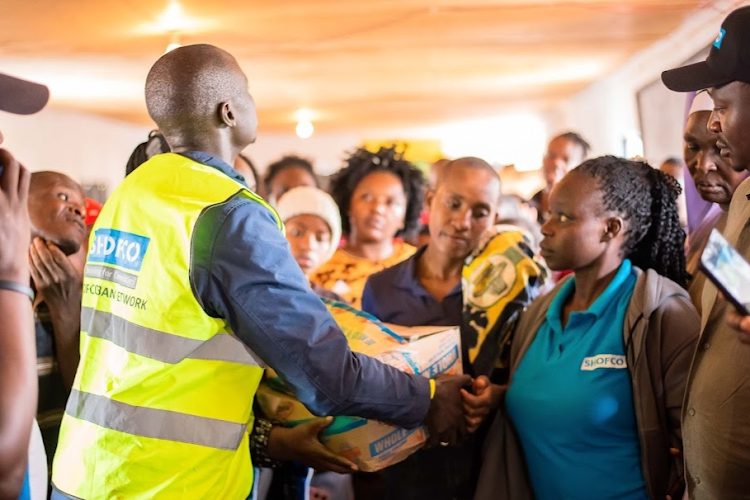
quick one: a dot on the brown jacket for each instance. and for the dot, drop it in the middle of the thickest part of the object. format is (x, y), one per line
(660, 333)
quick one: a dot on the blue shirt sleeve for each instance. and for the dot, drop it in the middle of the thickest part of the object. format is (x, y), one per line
(242, 270)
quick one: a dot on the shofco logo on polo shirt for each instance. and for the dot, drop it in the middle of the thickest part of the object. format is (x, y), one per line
(603, 361)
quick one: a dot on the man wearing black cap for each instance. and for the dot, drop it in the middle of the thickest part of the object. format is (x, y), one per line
(18, 384)
(715, 428)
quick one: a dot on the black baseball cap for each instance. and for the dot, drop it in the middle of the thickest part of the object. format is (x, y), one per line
(21, 97)
(728, 61)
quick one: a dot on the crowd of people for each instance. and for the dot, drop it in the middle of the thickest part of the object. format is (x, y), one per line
(599, 362)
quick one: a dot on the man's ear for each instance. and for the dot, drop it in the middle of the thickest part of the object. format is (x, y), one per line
(429, 195)
(613, 228)
(226, 114)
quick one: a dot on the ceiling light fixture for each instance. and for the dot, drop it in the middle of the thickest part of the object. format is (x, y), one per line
(173, 19)
(304, 127)
(174, 42)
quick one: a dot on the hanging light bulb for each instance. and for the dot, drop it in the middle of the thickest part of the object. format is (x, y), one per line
(304, 127)
(174, 43)
(173, 19)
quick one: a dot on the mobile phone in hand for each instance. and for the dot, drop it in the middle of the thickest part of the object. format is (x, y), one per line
(728, 270)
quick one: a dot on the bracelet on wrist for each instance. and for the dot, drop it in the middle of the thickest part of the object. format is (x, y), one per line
(259, 444)
(14, 286)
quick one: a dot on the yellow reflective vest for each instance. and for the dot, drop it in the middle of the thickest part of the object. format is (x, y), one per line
(162, 400)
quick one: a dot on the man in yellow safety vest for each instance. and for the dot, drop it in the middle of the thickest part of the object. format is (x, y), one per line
(190, 289)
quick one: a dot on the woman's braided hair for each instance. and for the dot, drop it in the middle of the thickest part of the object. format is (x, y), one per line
(155, 144)
(646, 199)
(362, 163)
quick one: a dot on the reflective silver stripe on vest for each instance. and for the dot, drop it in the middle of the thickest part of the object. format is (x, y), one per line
(152, 423)
(162, 346)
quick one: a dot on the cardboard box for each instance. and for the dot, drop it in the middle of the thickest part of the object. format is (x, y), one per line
(373, 445)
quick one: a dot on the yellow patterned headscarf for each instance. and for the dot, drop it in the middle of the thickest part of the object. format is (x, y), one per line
(499, 279)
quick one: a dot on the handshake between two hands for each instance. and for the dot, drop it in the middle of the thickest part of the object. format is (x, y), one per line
(459, 406)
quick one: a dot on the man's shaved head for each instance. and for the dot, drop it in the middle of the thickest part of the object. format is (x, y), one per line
(43, 179)
(187, 88)
(435, 170)
(467, 162)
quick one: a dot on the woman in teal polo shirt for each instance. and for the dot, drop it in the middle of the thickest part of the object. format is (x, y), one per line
(599, 365)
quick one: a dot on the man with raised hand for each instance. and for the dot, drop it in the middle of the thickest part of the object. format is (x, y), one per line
(18, 385)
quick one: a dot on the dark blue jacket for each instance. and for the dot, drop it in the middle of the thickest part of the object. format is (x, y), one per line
(247, 275)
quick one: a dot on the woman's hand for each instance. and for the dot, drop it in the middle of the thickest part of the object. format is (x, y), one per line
(301, 443)
(486, 397)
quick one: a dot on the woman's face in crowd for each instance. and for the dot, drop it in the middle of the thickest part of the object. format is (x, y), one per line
(561, 156)
(378, 207)
(310, 241)
(713, 176)
(287, 179)
(574, 235)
